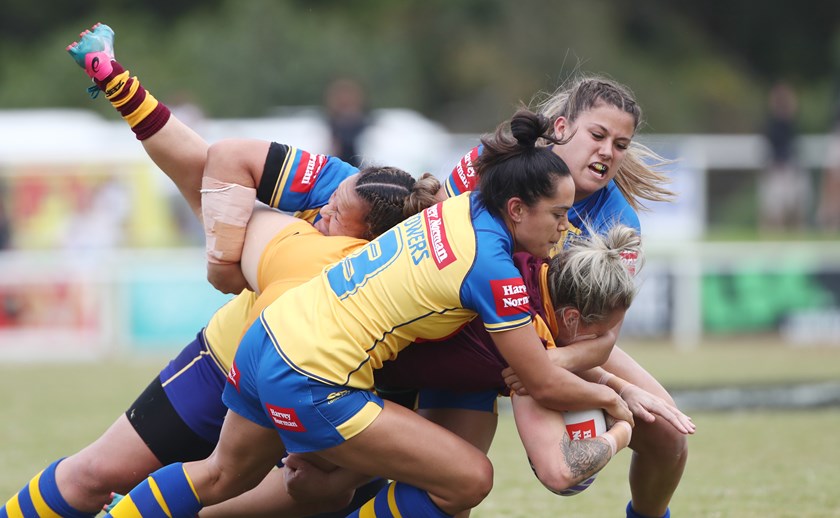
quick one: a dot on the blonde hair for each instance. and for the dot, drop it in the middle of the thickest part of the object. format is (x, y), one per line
(591, 273)
(640, 175)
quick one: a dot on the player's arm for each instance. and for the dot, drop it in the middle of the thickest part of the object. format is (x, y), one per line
(264, 224)
(295, 180)
(228, 194)
(586, 353)
(643, 404)
(550, 385)
(560, 464)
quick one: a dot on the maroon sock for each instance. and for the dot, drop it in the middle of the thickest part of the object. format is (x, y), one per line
(128, 103)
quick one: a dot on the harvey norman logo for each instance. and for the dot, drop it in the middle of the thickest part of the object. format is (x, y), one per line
(233, 376)
(285, 418)
(510, 296)
(441, 249)
(583, 430)
(465, 171)
(307, 171)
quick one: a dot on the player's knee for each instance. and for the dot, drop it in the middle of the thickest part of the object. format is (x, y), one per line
(661, 440)
(98, 476)
(477, 485)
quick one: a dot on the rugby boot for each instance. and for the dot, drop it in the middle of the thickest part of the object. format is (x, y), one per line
(94, 51)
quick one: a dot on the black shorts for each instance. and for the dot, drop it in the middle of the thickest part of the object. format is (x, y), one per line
(162, 429)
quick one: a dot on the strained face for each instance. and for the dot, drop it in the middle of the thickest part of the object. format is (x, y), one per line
(601, 138)
(344, 214)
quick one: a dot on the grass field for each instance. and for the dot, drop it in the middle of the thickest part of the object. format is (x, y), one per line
(744, 464)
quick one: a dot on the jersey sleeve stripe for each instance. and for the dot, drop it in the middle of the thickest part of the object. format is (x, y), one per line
(507, 326)
(275, 175)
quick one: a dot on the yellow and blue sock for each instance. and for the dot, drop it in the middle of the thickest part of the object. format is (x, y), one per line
(41, 499)
(631, 513)
(168, 492)
(362, 495)
(397, 500)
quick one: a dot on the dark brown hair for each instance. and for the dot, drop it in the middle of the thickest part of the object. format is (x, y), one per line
(392, 195)
(512, 165)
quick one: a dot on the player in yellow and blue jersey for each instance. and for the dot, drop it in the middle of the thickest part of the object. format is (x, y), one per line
(443, 267)
(179, 415)
(243, 302)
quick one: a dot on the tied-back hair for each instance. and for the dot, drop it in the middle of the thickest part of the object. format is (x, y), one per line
(512, 165)
(591, 274)
(640, 175)
(392, 195)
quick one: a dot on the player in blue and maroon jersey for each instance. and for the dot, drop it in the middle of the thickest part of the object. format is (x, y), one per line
(596, 119)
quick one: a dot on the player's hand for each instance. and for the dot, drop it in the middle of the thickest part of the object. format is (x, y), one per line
(305, 482)
(513, 383)
(647, 406)
(227, 278)
(617, 408)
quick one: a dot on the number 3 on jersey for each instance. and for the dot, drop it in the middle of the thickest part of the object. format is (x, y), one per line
(355, 270)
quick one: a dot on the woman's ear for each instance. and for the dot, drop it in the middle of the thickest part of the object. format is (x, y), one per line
(569, 317)
(560, 127)
(515, 208)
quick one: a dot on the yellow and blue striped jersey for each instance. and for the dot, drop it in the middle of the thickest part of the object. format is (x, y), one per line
(422, 280)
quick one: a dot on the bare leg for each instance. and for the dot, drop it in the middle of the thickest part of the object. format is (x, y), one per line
(475, 427)
(270, 500)
(659, 450)
(245, 454)
(117, 461)
(400, 445)
(180, 153)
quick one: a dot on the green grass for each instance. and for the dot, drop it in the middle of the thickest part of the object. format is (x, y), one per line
(744, 464)
(744, 362)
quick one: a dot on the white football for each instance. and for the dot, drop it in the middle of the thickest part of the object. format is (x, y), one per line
(583, 424)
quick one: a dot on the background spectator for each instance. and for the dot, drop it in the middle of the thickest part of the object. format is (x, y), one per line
(346, 115)
(784, 190)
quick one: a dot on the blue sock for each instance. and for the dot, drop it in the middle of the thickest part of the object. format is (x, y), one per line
(41, 497)
(631, 513)
(362, 495)
(167, 492)
(407, 500)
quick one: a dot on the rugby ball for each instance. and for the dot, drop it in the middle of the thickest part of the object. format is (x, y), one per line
(582, 424)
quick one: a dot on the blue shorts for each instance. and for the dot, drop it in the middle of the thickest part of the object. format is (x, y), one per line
(193, 382)
(308, 415)
(484, 401)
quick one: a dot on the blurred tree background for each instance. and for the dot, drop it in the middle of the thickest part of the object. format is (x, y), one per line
(700, 67)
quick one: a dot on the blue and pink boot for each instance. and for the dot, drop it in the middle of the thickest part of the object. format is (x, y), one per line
(94, 52)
